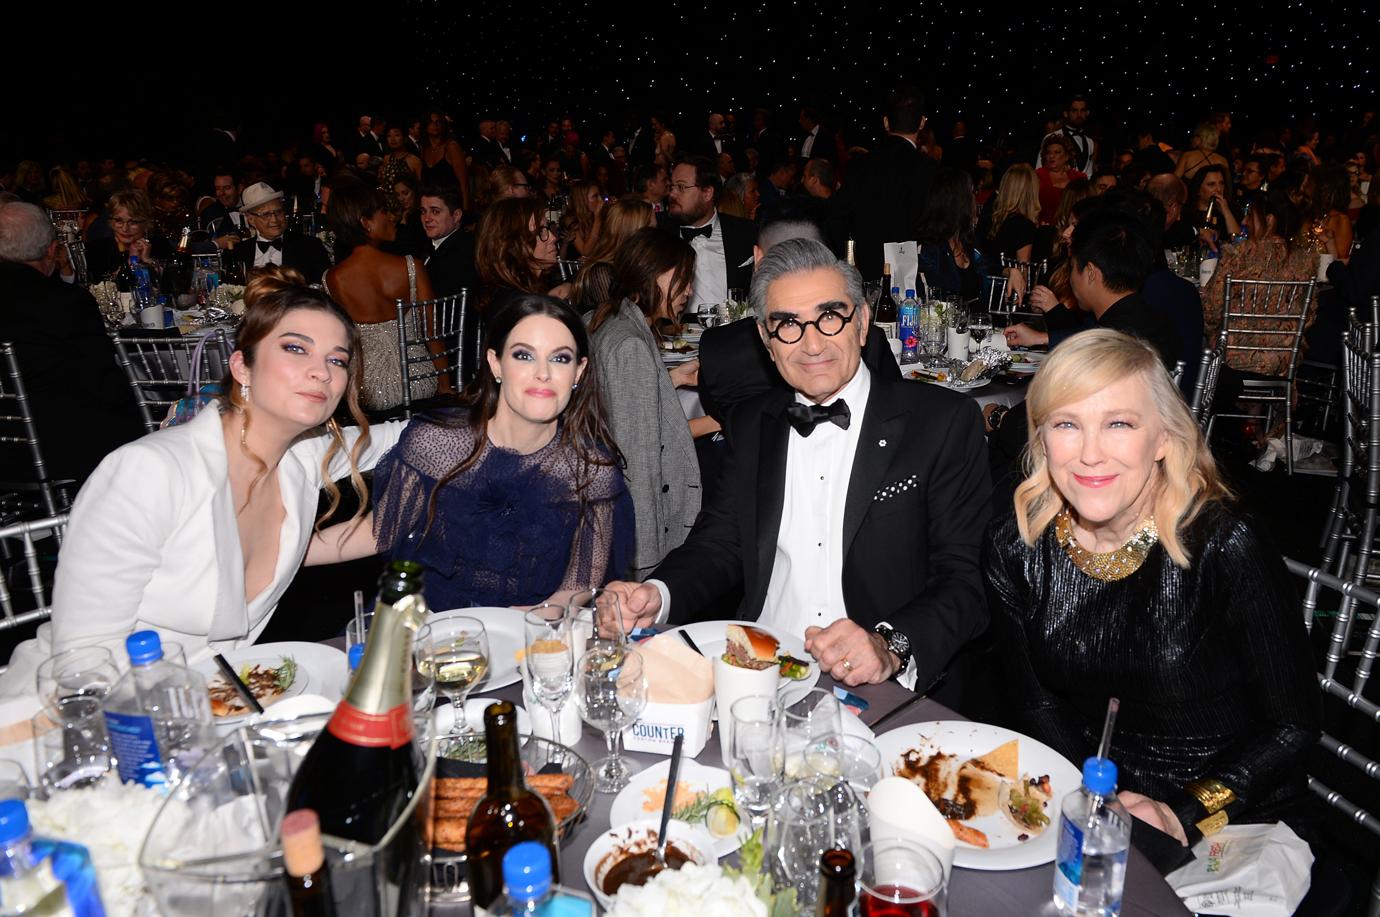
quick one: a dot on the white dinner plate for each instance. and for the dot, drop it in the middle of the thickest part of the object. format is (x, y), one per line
(709, 637)
(1023, 369)
(507, 636)
(628, 805)
(321, 669)
(967, 740)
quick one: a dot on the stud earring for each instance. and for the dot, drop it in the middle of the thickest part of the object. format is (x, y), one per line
(497, 381)
(575, 387)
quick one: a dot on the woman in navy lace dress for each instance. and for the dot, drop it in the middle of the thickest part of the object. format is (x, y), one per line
(517, 495)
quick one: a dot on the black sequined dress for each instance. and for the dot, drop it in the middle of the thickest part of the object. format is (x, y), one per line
(1212, 664)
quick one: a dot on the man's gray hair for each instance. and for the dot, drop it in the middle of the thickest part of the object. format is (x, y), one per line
(778, 231)
(795, 256)
(25, 233)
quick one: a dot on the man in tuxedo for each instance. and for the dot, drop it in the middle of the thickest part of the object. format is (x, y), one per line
(450, 263)
(650, 182)
(887, 189)
(711, 143)
(368, 140)
(1075, 120)
(601, 154)
(485, 145)
(765, 141)
(816, 140)
(82, 403)
(503, 135)
(264, 210)
(722, 243)
(222, 217)
(851, 509)
(641, 146)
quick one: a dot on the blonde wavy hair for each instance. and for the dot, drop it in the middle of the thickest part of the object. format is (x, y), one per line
(1019, 193)
(1187, 479)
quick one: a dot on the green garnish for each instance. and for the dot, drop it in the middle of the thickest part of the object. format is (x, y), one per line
(780, 903)
(287, 673)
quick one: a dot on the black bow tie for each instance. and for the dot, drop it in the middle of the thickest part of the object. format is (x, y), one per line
(689, 232)
(270, 245)
(1074, 131)
(805, 417)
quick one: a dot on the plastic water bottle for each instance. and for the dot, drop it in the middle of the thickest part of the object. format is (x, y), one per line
(158, 715)
(909, 322)
(527, 887)
(43, 877)
(1094, 839)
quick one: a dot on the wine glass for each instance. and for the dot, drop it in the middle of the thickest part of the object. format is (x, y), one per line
(979, 327)
(86, 671)
(901, 878)
(758, 758)
(596, 617)
(807, 723)
(611, 692)
(932, 333)
(547, 662)
(457, 657)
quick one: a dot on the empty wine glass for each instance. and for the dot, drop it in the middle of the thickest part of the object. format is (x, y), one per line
(595, 617)
(547, 662)
(758, 755)
(457, 657)
(86, 671)
(807, 723)
(611, 692)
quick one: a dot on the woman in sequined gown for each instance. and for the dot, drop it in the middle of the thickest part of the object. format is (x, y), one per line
(368, 282)
(1124, 572)
(517, 495)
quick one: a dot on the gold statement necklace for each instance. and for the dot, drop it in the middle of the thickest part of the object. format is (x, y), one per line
(1111, 565)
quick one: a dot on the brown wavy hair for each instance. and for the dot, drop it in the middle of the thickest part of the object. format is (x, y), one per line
(503, 253)
(647, 255)
(273, 293)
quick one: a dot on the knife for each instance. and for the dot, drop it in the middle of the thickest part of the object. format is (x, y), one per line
(690, 642)
(231, 676)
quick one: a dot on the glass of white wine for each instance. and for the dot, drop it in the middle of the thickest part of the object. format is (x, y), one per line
(457, 658)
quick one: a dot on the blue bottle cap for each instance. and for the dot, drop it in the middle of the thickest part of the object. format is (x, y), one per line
(1099, 775)
(14, 820)
(910, 294)
(355, 655)
(144, 647)
(527, 871)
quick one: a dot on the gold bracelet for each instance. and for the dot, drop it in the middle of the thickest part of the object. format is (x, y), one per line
(1212, 824)
(1213, 794)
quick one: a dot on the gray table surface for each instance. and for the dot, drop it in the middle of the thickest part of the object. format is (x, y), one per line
(972, 893)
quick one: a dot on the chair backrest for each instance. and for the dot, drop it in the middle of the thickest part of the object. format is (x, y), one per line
(17, 427)
(434, 330)
(1177, 373)
(161, 369)
(1350, 694)
(1361, 414)
(1205, 388)
(568, 268)
(1033, 271)
(27, 533)
(1265, 318)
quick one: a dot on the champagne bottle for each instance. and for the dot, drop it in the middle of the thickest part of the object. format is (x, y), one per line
(837, 893)
(508, 814)
(886, 316)
(363, 769)
(304, 865)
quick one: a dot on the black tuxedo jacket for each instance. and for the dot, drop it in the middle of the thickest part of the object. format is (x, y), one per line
(641, 147)
(826, 145)
(914, 515)
(704, 146)
(487, 152)
(217, 220)
(82, 403)
(769, 149)
(740, 236)
(883, 198)
(304, 253)
(734, 366)
(366, 143)
(451, 267)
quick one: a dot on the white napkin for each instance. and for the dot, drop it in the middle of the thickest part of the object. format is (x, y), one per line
(897, 808)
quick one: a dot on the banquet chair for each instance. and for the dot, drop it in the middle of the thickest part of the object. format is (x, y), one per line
(446, 321)
(161, 370)
(1266, 318)
(34, 589)
(1033, 271)
(17, 429)
(1352, 523)
(568, 268)
(1351, 692)
(1205, 387)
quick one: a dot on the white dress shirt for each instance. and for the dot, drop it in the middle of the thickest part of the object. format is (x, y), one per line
(711, 265)
(808, 146)
(272, 256)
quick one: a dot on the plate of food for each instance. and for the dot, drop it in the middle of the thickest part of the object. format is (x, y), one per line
(704, 796)
(506, 639)
(946, 379)
(1026, 361)
(759, 646)
(999, 790)
(273, 672)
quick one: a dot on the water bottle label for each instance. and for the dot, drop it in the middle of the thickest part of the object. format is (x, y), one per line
(1068, 863)
(136, 749)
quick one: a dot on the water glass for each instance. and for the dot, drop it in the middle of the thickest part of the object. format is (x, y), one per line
(851, 759)
(595, 617)
(933, 333)
(456, 655)
(87, 671)
(611, 692)
(804, 724)
(758, 757)
(548, 662)
(71, 746)
(900, 878)
(807, 818)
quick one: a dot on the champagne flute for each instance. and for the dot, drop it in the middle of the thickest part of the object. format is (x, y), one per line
(758, 754)
(547, 662)
(595, 618)
(457, 657)
(611, 692)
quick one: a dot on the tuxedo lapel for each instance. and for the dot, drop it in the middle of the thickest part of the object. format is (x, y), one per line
(878, 443)
(771, 493)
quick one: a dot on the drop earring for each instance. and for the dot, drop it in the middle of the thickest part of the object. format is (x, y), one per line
(244, 391)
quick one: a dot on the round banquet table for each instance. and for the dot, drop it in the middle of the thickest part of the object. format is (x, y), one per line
(972, 893)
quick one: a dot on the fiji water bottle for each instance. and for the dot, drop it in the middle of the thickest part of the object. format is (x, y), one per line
(1094, 838)
(158, 715)
(909, 327)
(43, 877)
(527, 887)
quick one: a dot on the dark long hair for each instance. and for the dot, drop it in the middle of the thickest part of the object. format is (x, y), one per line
(503, 251)
(584, 427)
(949, 212)
(272, 294)
(645, 256)
(350, 203)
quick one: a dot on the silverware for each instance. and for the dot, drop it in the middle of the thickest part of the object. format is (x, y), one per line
(901, 709)
(690, 642)
(669, 803)
(231, 676)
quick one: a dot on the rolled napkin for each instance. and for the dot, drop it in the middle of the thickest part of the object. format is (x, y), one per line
(898, 808)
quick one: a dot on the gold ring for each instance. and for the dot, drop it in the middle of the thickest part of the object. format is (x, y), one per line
(848, 665)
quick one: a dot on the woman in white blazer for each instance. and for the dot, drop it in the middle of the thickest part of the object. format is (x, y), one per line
(197, 530)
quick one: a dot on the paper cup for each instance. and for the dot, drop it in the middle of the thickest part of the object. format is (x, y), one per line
(731, 683)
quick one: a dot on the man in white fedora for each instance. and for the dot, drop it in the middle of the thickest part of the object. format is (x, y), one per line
(263, 209)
